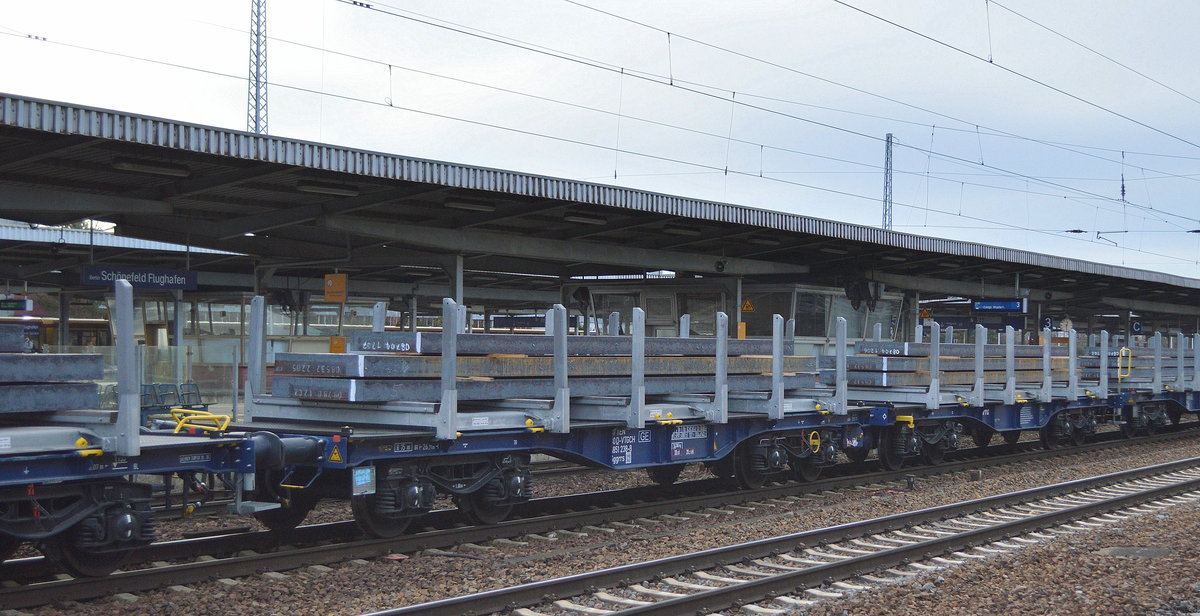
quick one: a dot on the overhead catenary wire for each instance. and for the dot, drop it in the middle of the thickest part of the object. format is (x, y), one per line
(1094, 51)
(728, 137)
(516, 43)
(1017, 73)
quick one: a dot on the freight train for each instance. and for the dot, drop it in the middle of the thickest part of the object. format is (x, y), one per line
(404, 417)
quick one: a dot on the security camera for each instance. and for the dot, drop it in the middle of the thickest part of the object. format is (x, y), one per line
(719, 266)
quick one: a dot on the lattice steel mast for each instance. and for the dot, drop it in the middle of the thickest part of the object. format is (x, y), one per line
(256, 108)
(887, 184)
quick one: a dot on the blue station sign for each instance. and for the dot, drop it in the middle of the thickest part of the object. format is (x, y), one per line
(1017, 304)
(140, 278)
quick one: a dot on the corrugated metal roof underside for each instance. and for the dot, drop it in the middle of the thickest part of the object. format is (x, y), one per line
(69, 119)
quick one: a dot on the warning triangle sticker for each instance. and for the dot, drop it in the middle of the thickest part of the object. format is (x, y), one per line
(336, 456)
(747, 306)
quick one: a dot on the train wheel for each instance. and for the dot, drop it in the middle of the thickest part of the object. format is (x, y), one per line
(1077, 436)
(889, 458)
(482, 511)
(1175, 415)
(374, 523)
(290, 513)
(1049, 435)
(1011, 437)
(805, 469)
(747, 476)
(82, 562)
(8, 547)
(933, 454)
(982, 437)
(665, 475)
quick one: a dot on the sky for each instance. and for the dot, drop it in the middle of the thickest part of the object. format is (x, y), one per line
(1006, 133)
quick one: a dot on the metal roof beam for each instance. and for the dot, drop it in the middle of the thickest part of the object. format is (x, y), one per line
(86, 205)
(1143, 305)
(963, 289)
(266, 221)
(472, 240)
(369, 287)
(42, 149)
(195, 185)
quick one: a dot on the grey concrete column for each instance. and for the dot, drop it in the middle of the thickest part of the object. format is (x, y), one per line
(64, 319)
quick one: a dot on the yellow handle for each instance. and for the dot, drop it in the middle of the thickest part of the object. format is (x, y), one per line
(1127, 353)
(202, 420)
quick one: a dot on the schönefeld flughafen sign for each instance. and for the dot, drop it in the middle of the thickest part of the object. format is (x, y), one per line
(140, 278)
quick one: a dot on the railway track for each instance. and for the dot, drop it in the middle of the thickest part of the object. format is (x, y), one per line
(250, 553)
(775, 575)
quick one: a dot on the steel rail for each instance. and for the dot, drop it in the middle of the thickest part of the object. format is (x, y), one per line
(756, 590)
(539, 516)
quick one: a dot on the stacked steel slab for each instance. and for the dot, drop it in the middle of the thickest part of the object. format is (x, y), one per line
(404, 366)
(31, 382)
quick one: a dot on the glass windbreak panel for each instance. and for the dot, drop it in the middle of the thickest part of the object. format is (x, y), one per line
(758, 308)
(840, 307)
(703, 308)
(811, 314)
(622, 303)
(885, 312)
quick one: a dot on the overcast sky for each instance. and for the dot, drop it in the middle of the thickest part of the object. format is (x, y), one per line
(983, 153)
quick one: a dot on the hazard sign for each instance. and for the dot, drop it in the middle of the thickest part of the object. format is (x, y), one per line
(747, 306)
(336, 456)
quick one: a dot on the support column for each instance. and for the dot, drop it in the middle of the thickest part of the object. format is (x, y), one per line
(64, 319)
(177, 333)
(412, 313)
(453, 266)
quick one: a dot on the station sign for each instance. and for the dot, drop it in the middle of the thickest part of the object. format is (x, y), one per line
(335, 288)
(1016, 304)
(139, 277)
(16, 305)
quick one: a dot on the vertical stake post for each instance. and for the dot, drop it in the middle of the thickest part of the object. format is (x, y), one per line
(129, 382)
(1104, 363)
(1158, 357)
(378, 317)
(447, 424)
(933, 397)
(637, 398)
(722, 360)
(1010, 365)
(843, 387)
(1047, 385)
(685, 326)
(1073, 365)
(980, 340)
(776, 406)
(561, 422)
(256, 352)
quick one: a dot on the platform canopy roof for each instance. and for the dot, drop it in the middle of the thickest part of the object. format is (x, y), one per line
(297, 209)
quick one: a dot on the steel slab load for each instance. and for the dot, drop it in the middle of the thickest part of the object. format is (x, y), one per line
(921, 349)
(489, 344)
(49, 368)
(426, 366)
(1170, 360)
(33, 397)
(921, 379)
(430, 390)
(874, 363)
